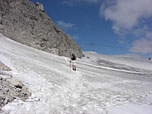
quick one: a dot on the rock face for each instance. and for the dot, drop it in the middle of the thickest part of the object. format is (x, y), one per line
(27, 23)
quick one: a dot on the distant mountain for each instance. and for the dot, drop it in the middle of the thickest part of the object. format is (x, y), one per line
(28, 23)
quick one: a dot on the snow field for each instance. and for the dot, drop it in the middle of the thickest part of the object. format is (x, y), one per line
(56, 89)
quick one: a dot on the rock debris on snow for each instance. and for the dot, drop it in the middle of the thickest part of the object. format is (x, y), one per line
(10, 89)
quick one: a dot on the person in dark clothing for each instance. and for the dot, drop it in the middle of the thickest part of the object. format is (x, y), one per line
(73, 61)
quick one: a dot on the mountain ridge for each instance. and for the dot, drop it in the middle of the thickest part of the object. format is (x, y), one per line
(27, 23)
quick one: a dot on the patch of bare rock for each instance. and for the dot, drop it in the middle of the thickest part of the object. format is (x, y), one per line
(10, 87)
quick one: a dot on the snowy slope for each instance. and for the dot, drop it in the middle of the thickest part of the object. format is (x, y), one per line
(121, 60)
(111, 87)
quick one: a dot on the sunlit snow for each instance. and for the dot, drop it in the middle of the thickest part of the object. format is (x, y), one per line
(101, 85)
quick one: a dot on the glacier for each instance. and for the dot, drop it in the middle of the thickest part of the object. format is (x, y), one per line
(101, 85)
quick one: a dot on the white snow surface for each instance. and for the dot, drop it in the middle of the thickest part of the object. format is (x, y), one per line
(101, 85)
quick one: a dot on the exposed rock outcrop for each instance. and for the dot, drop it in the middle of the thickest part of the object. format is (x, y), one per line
(40, 6)
(10, 89)
(4, 67)
(27, 23)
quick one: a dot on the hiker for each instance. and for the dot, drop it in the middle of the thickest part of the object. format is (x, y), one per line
(73, 61)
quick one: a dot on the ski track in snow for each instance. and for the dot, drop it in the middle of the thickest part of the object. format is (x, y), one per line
(56, 89)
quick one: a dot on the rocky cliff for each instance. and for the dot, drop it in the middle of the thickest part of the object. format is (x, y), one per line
(28, 23)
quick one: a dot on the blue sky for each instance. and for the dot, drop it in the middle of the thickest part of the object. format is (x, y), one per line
(113, 26)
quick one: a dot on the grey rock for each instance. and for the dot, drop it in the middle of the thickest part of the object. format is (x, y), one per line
(40, 6)
(10, 89)
(15, 82)
(3, 67)
(28, 23)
